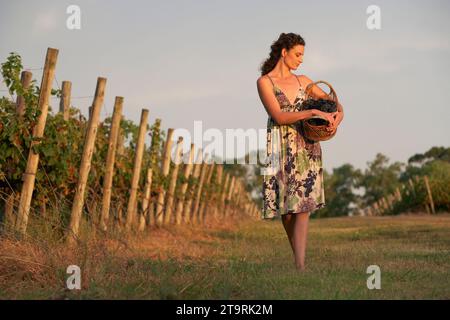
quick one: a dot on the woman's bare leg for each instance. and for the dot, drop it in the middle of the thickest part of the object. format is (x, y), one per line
(288, 224)
(300, 233)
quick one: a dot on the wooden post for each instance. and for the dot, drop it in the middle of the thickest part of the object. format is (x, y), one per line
(195, 212)
(165, 167)
(120, 139)
(146, 201)
(388, 202)
(38, 131)
(64, 103)
(131, 212)
(206, 205)
(246, 207)
(238, 196)
(217, 195)
(226, 185)
(230, 193)
(187, 172)
(398, 194)
(110, 158)
(86, 158)
(173, 181)
(383, 204)
(430, 196)
(233, 201)
(195, 175)
(376, 207)
(25, 80)
(10, 218)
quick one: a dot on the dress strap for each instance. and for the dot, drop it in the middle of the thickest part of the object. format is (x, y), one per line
(296, 77)
(273, 84)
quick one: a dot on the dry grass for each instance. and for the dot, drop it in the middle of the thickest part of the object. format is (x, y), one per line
(238, 259)
(30, 264)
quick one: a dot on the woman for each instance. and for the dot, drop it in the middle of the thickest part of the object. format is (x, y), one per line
(293, 180)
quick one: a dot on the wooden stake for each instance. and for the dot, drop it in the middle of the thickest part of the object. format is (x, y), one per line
(173, 181)
(195, 213)
(233, 201)
(120, 139)
(195, 175)
(64, 103)
(238, 196)
(187, 172)
(131, 213)
(430, 196)
(217, 195)
(165, 167)
(10, 218)
(25, 80)
(377, 209)
(145, 201)
(205, 207)
(110, 159)
(230, 193)
(38, 131)
(224, 193)
(398, 194)
(85, 166)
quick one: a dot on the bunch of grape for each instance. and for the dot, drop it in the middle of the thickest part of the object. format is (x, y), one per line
(323, 105)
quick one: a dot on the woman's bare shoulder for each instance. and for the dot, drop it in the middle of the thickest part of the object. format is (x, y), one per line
(263, 83)
(304, 80)
(262, 79)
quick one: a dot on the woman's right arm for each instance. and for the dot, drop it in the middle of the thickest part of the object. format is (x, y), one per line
(272, 106)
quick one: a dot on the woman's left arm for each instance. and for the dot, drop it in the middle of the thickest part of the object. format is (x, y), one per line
(318, 93)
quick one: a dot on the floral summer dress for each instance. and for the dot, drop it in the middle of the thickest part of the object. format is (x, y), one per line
(293, 176)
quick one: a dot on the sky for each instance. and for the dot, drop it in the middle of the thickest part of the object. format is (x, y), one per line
(190, 61)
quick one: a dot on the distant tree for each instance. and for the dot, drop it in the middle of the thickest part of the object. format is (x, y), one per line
(435, 153)
(339, 191)
(379, 179)
(418, 163)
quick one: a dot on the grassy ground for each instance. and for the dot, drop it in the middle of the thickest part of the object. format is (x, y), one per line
(245, 260)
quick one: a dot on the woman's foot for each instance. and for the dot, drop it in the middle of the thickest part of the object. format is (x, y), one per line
(300, 268)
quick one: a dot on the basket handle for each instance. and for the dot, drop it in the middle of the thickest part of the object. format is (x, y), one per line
(312, 84)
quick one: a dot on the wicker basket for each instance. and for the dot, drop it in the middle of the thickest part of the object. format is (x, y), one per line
(318, 132)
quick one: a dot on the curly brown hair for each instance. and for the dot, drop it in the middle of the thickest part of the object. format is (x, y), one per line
(286, 41)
